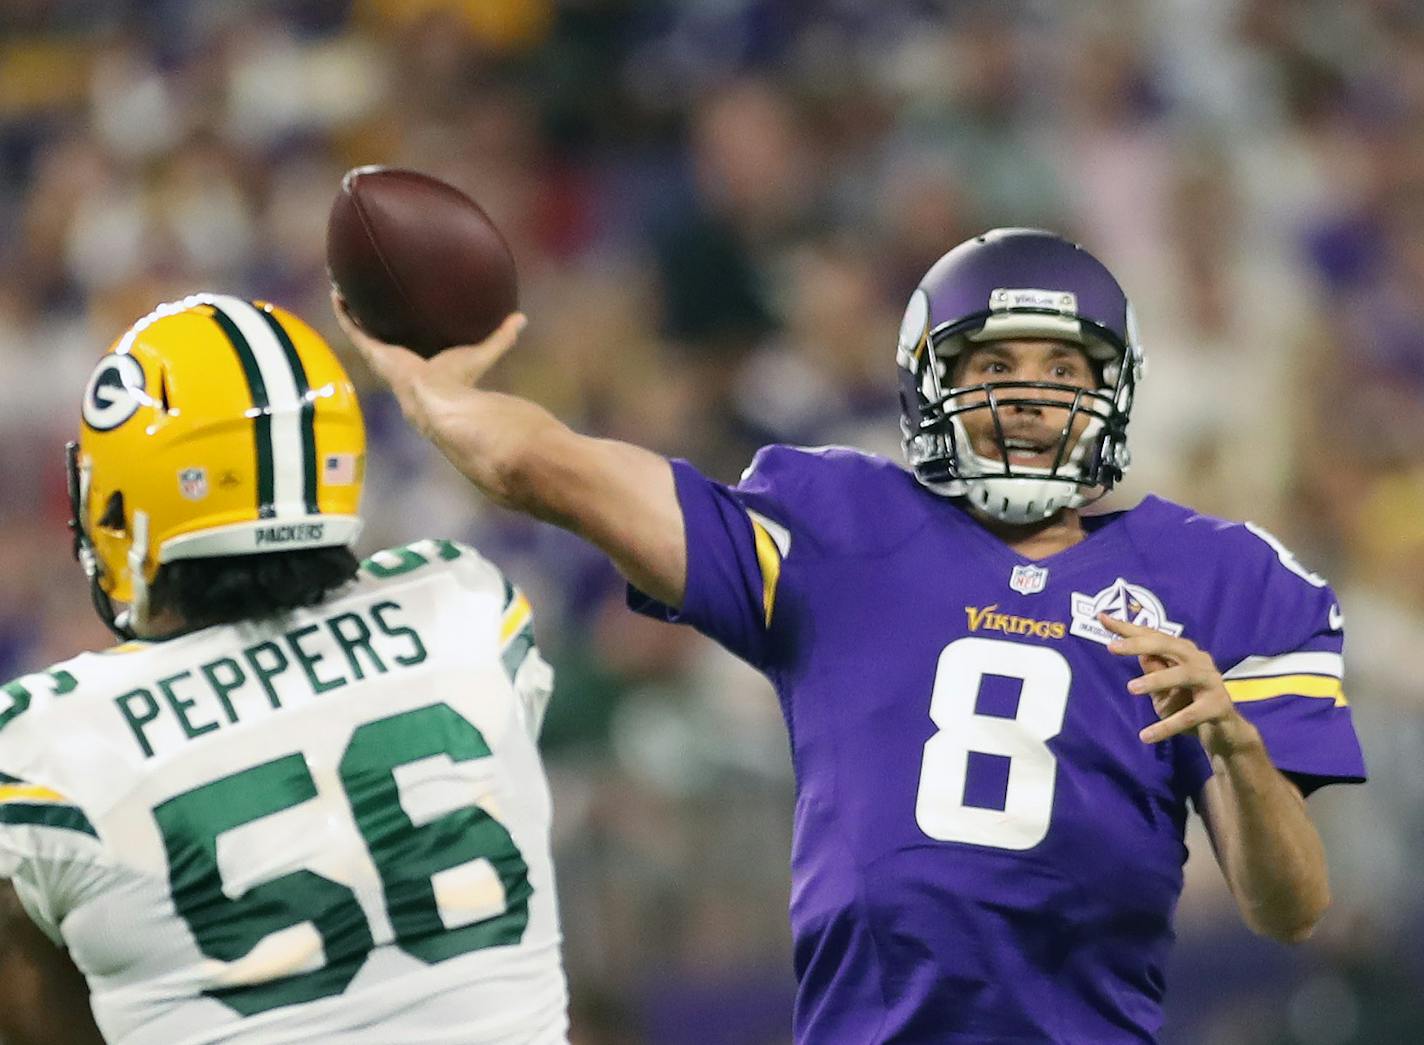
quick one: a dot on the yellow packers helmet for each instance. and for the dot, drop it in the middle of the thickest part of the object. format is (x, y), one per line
(213, 427)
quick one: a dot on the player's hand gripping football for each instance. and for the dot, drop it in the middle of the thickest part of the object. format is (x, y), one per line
(418, 383)
(1186, 688)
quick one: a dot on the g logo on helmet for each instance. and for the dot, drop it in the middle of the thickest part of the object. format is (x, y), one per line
(114, 393)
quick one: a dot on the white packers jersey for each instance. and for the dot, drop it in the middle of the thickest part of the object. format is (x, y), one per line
(335, 828)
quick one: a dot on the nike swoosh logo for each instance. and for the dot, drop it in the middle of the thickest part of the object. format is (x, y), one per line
(1337, 619)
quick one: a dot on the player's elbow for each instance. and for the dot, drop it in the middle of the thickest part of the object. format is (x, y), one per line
(1295, 924)
(1293, 934)
(530, 473)
(515, 476)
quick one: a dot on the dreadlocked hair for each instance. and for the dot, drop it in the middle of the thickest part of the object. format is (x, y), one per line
(232, 588)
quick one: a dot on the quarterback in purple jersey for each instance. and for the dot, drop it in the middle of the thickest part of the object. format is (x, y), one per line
(1001, 710)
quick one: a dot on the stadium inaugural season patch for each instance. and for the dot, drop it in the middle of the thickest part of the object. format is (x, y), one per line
(1122, 601)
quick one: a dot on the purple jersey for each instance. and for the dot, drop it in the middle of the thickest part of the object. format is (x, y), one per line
(984, 850)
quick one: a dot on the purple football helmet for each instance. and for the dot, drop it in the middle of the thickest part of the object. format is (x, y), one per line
(1017, 283)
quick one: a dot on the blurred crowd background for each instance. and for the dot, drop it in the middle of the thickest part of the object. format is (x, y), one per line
(719, 208)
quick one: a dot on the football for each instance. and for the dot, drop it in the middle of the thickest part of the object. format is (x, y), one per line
(417, 262)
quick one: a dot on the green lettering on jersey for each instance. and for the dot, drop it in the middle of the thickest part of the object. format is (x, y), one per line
(417, 651)
(408, 856)
(309, 660)
(405, 560)
(360, 638)
(228, 925)
(232, 677)
(276, 663)
(20, 697)
(180, 706)
(19, 703)
(138, 721)
(227, 929)
(393, 562)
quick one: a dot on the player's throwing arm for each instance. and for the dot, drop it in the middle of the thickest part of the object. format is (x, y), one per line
(616, 495)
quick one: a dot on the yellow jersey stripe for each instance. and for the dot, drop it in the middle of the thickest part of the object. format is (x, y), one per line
(1318, 686)
(515, 618)
(29, 793)
(769, 559)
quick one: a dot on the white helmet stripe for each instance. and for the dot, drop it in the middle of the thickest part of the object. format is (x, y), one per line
(284, 403)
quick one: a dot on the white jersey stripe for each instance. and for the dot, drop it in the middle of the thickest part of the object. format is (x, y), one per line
(1316, 663)
(286, 405)
(780, 535)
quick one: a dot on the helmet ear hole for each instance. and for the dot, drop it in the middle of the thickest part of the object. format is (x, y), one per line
(113, 517)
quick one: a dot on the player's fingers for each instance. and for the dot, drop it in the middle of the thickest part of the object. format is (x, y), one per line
(1182, 721)
(1127, 631)
(390, 362)
(1169, 703)
(466, 364)
(1150, 642)
(348, 324)
(1178, 675)
(1152, 662)
(1123, 627)
(1156, 646)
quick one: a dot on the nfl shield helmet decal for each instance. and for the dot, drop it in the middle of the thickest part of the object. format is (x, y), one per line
(193, 483)
(1122, 601)
(1028, 579)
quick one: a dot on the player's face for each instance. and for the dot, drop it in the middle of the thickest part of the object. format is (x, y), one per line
(1032, 432)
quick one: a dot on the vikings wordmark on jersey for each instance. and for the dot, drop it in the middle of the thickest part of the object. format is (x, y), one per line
(971, 790)
(303, 831)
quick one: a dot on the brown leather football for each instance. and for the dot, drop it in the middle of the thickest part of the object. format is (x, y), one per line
(417, 262)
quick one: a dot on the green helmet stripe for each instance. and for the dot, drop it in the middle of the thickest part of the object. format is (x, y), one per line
(261, 410)
(308, 409)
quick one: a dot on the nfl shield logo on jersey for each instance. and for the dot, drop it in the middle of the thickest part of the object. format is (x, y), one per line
(1028, 579)
(193, 483)
(1124, 601)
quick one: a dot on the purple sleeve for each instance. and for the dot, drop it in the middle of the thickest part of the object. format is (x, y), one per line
(1298, 702)
(1289, 682)
(725, 587)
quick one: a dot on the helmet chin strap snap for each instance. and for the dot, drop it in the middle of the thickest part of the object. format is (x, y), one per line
(1022, 500)
(1032, 494)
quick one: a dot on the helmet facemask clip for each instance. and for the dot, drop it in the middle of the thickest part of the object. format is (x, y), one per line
(77, 481)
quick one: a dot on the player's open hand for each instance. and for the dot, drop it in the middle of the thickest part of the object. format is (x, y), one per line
(416, 380)
(1186, 688)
